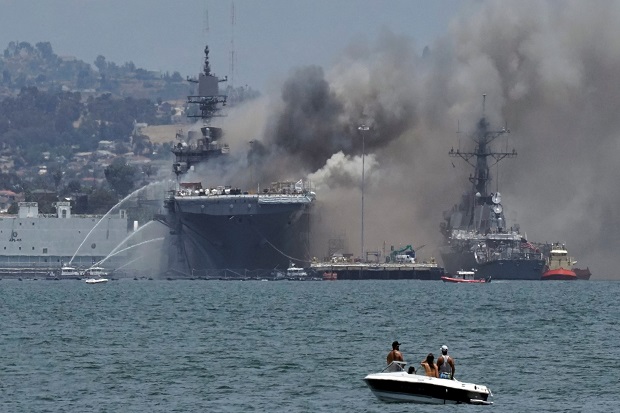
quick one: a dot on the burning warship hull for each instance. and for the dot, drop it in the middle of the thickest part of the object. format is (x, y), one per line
(508, 268)
(475, 230)
(239, 232)
(223, 228)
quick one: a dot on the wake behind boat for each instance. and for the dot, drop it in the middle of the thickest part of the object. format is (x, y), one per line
(394, 384)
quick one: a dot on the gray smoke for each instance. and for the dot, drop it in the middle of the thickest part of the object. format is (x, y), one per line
(549, 70)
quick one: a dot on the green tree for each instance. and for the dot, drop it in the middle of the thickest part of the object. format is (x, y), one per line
(13, 209)
(121, 176)
(100, 63)
(57, 174)
(101, 201)
(45, 50)
(74, 186)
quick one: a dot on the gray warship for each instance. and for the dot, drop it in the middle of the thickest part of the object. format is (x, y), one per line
(475, 231)
(39, 245)
(215, 227)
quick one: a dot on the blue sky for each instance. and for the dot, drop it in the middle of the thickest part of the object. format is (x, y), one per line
(270, 36)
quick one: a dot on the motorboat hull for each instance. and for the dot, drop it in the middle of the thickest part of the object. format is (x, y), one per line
(96, 280)
(413, 388)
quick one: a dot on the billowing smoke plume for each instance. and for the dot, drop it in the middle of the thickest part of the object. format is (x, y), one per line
(550, 73)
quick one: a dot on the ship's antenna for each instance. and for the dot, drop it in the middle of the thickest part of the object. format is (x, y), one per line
(458, 132)
(506, 130)
(484, 100)
(497, 180)
(232, 44)
(205, 30)
(206, 22)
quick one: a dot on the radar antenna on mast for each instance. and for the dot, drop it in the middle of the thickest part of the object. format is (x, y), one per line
(208, 99)
(483, 139)
(232, 45)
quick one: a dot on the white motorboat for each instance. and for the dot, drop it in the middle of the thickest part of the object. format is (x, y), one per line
(296, 273)
(394, 384)
(95, 280)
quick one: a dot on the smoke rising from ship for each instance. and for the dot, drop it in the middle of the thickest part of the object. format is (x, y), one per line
(549, 71)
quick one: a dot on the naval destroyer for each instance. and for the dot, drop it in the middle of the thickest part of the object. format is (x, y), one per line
(475, 231)
(215, 227)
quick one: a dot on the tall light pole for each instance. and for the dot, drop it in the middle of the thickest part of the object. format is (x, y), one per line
(251, 160)
(362, 129)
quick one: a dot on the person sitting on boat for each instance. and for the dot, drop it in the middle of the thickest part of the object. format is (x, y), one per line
(445, 364)
(395, 354)
(429, 366)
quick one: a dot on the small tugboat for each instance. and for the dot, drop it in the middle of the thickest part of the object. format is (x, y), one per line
(394, 384)
(559, 264)
(463, 276)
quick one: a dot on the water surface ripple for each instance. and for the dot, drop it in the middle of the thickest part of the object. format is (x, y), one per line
(232, 346)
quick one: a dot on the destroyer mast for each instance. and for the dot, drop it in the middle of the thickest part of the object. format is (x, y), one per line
(479, 159)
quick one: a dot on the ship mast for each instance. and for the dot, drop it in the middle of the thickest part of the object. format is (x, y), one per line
(482, 152)
(209, 101)
(208, 98)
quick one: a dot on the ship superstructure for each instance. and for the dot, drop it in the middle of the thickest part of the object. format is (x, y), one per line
(216, 227)
(475, 230)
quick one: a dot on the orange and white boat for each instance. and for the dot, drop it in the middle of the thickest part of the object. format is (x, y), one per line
(559, 264)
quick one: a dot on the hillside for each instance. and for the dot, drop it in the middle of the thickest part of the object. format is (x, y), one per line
(24, 65)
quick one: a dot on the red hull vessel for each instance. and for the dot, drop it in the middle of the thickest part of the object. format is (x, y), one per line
(559, 274)
(558, 264)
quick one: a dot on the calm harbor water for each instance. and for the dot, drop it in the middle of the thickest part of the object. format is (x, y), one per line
(218, 346)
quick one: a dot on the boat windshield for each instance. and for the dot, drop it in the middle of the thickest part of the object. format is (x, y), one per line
(395, 366)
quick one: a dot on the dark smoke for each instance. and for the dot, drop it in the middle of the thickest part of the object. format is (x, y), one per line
(550, 73)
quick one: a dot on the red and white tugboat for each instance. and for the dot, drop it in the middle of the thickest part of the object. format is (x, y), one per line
(559, 264)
